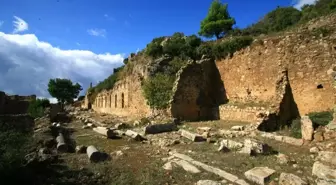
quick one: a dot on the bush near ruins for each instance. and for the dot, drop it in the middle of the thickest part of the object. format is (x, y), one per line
(157, 90)
(321, 118)
(36, 107)
(227, 48)
(295, 129)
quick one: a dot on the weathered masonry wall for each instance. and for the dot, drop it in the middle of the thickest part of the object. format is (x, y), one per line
(14, 104)
(251, 74)
(125, 99)
(198, 92)
(246, 114)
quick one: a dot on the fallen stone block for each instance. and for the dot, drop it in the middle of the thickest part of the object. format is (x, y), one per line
(61, 146)
(307, 129)
(160, 128)
(201, 130)
(93, 154)
(324, 172)
(230, 145)
(119, 132)
(105, 131)
(121, 126)
(259, 175)
(314, 150)
(80, 149)
(186, 166)
(238, 128)
(134, 135)
(290, 179)
(283, 159)
(253, 147)
(192, 136)
(208, 182)
(328, 157)
(293, 141)
(217, 171)
(168, 166)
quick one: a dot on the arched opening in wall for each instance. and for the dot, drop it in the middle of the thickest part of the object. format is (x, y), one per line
(115, 101)
(319, 86)
(122, 100)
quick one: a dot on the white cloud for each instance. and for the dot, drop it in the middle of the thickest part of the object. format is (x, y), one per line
(299, 3)
(97, 32)
(1, 23)
(19, 25)
(27, 64)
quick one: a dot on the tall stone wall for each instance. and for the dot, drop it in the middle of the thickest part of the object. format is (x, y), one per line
(14, 104)
(198, 92)
(251, 75)
(125, 99)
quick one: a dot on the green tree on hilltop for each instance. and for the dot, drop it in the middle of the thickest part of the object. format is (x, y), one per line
(217, 22)
(63, 90)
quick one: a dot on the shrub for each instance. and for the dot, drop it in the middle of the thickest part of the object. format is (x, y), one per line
(154, 48)
(157, 90)
(321, 118)
(295, 130)
(175, 45)
(36, 107)
(226, 48)
(204, 49)
(80, 98)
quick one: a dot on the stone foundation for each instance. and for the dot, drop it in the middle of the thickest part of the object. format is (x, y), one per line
(247, 114)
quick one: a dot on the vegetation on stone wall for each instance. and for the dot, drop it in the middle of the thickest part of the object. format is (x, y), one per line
(36, 107)
(321, 118)
(157, 90)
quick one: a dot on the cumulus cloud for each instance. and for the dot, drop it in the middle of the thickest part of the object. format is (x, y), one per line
(27, 64)
(19, 25)
(299, 3)
(97, 32)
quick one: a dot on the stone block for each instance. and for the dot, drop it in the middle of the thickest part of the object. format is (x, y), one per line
(253, 147)
(328, 157)
(208, 182)
(160, 128)
(105, 131)
(230, 144)
(290, 179)
(93, 154)
(192, 136)
(324, 172)
(238, 128)
(259, 175)
(134, 135)
(307, 129)
(292, 141)
(61, 146)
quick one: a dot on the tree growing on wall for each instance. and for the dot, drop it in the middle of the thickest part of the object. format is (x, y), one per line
(217, 22)
(63, 90)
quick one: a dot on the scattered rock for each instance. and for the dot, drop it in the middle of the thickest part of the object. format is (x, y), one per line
(187, 166)
(208, 182)
(61, 146)
(105, 131)
(238, 128)
(80, 149)
(307, 129)
(201, 130)
(324, 172)
(314, 150)
(192, 136)
(290, 179)
(229, 144)
(283, 159)
(318, 136)
(160, 128)
(292, 141)
(168, 166)
(328, 157)
(134, 135)
(253, 147)
(259, 175)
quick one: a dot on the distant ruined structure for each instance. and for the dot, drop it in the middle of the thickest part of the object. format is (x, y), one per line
(14, 104)
(276, 79)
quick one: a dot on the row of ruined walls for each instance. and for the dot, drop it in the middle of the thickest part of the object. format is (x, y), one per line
(284, 76)
(14, 104)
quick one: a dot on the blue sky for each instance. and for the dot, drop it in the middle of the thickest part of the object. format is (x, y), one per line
(129, 24)
(83, 40)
